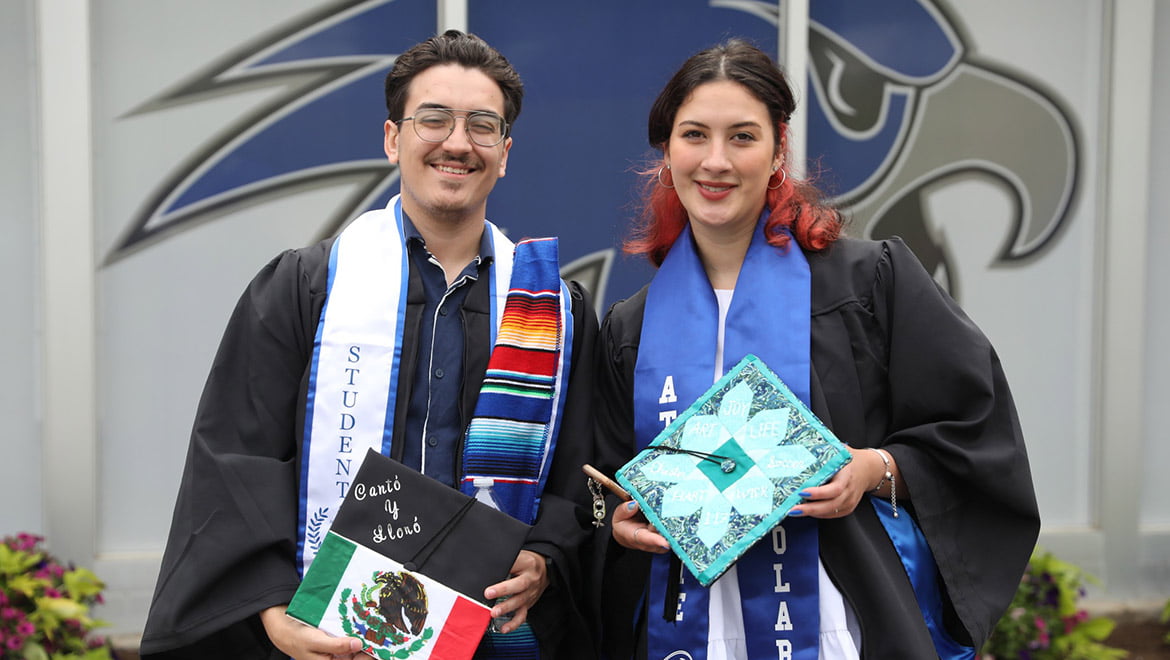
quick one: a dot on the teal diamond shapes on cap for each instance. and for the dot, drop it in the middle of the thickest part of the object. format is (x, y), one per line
(735, 407)
(764, 431)
(684, 498)
(731, 451)
(754, 495)
(787, 461)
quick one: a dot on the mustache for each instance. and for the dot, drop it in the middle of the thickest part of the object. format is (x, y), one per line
(466, 160)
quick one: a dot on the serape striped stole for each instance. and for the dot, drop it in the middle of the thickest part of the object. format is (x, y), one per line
(512, 436)
(514, 429)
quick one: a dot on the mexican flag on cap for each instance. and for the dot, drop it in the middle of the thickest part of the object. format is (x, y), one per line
(354, 591)
(404, 565)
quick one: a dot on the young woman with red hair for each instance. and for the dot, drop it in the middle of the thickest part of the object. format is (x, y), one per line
(888, 559)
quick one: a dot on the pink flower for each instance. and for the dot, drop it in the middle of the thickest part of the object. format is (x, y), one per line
(27, 541)
(26, 628)
(52, 593)
(1041, 625)
(14, 643)
(9, 613)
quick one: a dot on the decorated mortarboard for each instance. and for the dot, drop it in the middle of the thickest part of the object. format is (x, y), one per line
(405, 564)
(731, 467)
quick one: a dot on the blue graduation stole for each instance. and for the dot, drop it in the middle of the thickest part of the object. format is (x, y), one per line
(769, 316)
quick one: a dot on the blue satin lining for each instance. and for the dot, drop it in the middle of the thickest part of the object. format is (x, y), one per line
(923, 573)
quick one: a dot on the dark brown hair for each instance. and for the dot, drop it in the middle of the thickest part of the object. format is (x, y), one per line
(796, 205)
(453, 47)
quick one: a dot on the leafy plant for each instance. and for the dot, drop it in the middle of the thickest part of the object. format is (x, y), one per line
(1044, 621)
(44, 606)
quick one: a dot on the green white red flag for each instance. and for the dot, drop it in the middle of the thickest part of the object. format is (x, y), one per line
(351, 590)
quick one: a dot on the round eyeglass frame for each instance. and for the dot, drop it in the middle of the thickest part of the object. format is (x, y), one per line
(466, 114)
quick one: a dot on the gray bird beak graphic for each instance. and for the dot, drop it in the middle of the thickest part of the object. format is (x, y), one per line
(1015, 137)
(971, 123)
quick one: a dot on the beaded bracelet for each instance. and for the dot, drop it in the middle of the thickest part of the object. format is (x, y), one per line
(888, 476)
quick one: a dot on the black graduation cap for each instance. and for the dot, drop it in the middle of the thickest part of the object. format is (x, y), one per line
(429, 527)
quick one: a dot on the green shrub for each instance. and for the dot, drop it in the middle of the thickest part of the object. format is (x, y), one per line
(1044, 621)
(44, 606)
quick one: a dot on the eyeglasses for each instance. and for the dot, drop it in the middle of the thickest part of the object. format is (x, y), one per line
(487, 129)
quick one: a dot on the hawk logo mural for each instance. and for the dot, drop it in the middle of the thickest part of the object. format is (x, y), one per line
(895, 114)
(901, 111)
(317, 131)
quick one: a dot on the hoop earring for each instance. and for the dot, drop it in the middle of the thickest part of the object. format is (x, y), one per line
(783, 178)
(660, 181)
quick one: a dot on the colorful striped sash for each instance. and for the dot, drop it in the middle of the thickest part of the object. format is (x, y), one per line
(513, 434)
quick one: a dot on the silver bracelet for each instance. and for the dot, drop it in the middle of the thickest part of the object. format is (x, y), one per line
(888, 476)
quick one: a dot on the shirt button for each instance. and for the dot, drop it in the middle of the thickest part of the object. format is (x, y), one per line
(442, 311)
(432, 441)
(438, 373)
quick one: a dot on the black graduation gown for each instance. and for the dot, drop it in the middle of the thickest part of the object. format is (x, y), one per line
(232, 545)
(895, 364)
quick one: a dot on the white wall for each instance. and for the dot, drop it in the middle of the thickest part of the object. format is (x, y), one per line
(149, 384)
(1155, 502)
(20, 446)
(1047, 356)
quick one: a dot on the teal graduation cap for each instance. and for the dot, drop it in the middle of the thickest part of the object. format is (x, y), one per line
(731, 467)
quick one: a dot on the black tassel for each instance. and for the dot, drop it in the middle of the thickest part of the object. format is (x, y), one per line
(673, 580)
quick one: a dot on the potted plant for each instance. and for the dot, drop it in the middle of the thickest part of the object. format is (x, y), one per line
(1045, 622)
(45, 606)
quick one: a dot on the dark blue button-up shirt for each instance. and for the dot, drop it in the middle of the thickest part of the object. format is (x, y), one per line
(433, 428)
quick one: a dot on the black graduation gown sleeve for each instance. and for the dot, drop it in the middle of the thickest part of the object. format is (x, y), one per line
(618, 575)
(927, 385)
(895, 364)
(231, 548)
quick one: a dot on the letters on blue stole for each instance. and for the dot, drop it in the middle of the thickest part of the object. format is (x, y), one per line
(770, 317)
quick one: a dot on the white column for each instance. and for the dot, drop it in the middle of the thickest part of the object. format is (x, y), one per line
(453, 15)
(793, 41)
(1125, 169)
(68, 411)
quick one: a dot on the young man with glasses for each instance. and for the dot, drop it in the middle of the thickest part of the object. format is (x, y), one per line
(401, 308)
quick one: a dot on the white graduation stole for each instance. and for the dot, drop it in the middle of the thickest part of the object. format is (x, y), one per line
(357, 354)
